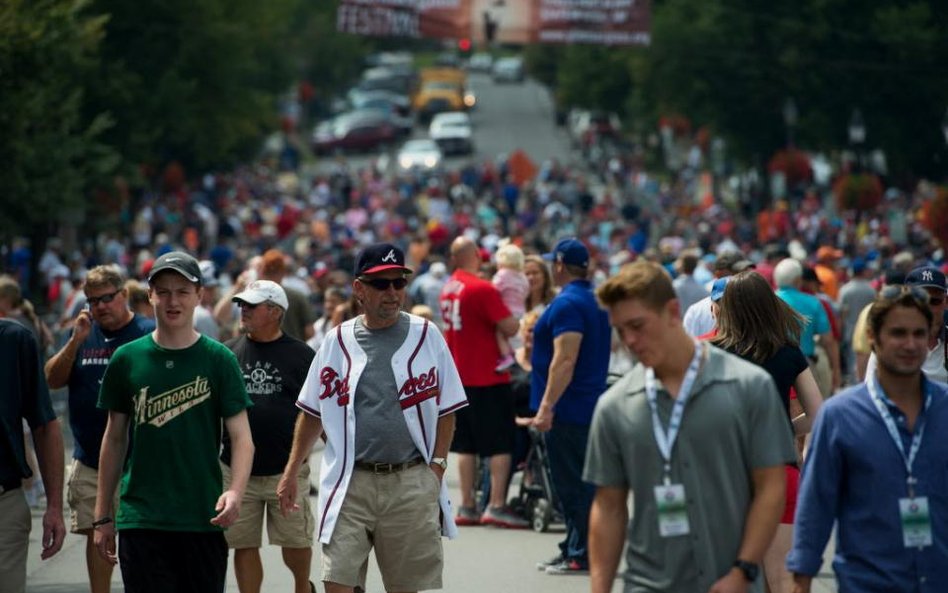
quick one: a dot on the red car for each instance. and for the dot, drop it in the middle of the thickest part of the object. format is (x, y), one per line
(355, 132)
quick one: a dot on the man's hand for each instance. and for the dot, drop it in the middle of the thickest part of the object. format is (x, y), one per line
(287, 493)
(104, 538)
(228, 507)
(802, 583)
(438, 470)
(543, 420)
(54, 532)
(82, 326)
(733, 582)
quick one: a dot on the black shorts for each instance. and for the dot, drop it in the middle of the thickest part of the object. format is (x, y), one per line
(486, 426)
(154, 561)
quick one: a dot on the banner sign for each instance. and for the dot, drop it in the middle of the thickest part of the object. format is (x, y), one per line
(440, 19)
(598, 22)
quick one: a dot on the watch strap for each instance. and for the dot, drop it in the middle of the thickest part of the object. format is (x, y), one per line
(102, 521)
(440, 461)
(749, 569)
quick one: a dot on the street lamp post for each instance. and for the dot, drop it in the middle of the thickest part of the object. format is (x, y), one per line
(790, 115)
(857, 134)
(944, 126)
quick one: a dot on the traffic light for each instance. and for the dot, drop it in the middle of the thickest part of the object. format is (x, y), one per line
(464, 45)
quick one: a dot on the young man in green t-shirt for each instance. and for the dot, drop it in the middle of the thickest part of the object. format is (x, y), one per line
(167, 392)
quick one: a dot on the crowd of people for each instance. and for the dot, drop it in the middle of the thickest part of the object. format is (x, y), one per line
(728, 379)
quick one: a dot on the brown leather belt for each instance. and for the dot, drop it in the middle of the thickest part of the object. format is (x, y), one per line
(387, 468)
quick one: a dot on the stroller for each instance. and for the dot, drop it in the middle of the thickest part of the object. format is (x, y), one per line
(536, 500)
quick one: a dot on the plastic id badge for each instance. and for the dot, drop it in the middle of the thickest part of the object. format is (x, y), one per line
(916, 522)
(672, 510)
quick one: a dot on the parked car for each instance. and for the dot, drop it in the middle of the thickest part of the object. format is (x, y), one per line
(355, 131)
(480, 62)
(452, 132)
(508, 70)
(420, 156)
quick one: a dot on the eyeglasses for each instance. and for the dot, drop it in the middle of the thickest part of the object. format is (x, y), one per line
(384, 283)
(897, 291)
(105, 298)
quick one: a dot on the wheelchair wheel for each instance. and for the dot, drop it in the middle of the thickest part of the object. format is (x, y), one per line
(542, 515)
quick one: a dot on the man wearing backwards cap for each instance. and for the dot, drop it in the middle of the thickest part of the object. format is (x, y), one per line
(384, 389)
(171, 389)
(274, 366)
(931, 280)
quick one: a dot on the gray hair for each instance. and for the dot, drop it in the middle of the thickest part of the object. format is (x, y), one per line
(788, 273)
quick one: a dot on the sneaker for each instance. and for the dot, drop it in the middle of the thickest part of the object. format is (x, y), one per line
(504, 363)
(503, 517)
(558, 559)
(467, 516)
(567, 567)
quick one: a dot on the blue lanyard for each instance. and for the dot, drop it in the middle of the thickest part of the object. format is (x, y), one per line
(666, 440)
(877, 394)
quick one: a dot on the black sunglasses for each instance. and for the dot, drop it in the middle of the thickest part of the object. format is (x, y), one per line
(384, 283)
(105, 298)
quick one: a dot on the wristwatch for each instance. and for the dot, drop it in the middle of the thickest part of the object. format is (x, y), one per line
(102, 521)
(749, 569)
(440, 461)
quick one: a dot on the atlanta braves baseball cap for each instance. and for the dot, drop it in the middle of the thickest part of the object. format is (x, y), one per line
(569, 251)
(926, 277)
(263, 291)
(177, 261)
(379, 258)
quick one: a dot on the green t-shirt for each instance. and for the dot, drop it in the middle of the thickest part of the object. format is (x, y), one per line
(175, 400)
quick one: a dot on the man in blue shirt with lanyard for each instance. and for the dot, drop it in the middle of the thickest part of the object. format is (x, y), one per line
(572, 335)
(877, 466)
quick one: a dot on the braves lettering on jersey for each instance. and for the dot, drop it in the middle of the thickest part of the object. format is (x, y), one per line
(424, 397)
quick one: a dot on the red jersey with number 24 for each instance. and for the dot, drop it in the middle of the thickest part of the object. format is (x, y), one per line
(471, 308)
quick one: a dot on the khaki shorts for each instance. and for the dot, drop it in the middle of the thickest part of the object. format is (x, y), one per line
(81, 491)
(397, 514)
(14, 540)
(260, 499)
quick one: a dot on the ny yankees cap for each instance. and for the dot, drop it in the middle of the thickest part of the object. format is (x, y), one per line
(380, 257)
(569, 251)
(926, 277)
(180, 262)
(263, 291)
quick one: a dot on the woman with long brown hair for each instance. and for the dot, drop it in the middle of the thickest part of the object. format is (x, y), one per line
(541, 283)
(753, 323)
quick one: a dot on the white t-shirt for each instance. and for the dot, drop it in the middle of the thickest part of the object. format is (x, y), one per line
(698, 318)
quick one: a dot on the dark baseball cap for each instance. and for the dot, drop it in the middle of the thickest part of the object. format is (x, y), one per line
(569, 251)
(180, 262)
(733, 262)
(379, 258)
(926, 277)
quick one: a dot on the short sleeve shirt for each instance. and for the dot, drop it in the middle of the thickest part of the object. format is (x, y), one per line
(733, 423)
(816, 321)
(471, 307)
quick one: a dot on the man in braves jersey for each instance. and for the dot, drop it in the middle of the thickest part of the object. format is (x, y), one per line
(384, 389)
(105, 325)
(472, 310)
(274, 366)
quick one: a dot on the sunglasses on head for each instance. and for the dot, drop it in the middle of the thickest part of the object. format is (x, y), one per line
(384, 283)
(918, 294)
(105, 298)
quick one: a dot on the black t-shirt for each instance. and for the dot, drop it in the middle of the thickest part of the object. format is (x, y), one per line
(274, 373)
(784, 367)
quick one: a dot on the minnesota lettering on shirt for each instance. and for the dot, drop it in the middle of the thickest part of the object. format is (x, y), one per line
(159, 409)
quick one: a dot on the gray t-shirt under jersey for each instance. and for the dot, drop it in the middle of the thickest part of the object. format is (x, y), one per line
(381, 434)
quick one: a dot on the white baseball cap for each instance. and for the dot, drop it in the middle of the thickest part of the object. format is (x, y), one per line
(262, 291)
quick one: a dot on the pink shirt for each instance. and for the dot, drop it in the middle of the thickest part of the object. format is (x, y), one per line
(514, 288)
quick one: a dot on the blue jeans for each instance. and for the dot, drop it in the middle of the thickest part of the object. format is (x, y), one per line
(566, 446)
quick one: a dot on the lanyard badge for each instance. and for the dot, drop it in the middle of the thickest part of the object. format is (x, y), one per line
(670, 499)
(913, 510)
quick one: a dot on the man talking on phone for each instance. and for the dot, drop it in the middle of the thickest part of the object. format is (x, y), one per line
(105, 324)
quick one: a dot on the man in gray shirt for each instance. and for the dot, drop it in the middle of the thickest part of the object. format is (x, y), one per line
(687, 289)
(854, 296)
(699, 437)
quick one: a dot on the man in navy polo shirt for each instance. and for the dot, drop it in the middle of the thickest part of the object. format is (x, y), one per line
(573, 333)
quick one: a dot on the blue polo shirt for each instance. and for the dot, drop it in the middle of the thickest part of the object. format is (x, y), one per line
(813, 312)
(573, 310)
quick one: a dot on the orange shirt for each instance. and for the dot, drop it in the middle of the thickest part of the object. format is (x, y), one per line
(828, 280)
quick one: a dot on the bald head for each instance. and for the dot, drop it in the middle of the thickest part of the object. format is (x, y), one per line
(464, 254)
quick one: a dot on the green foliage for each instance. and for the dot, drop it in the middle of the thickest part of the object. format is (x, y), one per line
(51, 151)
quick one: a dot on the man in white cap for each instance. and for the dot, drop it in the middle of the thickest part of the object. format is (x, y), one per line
(274, 366)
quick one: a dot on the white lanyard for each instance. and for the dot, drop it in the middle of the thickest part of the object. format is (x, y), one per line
(666, 440)
(876, 394)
